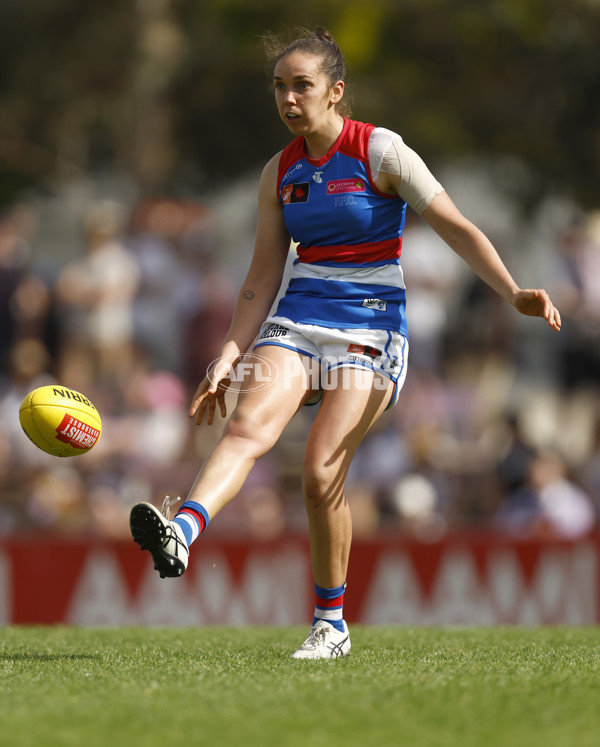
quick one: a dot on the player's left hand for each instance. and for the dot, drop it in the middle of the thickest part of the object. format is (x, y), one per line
(536, 302)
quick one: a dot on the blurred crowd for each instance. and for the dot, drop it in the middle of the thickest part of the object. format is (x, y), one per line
(498, 425)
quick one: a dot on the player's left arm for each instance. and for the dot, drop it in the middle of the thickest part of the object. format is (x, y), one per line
(477, 250)
(401, 171)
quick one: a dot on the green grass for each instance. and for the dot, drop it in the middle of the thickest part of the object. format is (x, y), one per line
(225, 686)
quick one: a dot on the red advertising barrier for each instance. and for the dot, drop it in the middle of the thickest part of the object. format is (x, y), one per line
(470, 580)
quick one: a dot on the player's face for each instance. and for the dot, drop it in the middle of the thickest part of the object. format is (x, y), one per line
(305, 99)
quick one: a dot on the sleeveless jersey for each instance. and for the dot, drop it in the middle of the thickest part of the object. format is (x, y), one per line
(349, 234)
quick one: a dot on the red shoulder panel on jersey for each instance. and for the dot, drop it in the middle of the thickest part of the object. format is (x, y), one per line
(356, 141)
(289, 155)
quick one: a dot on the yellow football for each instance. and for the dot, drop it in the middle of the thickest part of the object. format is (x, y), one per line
(60, 421)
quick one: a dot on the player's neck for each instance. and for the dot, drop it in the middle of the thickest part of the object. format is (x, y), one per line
(320, 142)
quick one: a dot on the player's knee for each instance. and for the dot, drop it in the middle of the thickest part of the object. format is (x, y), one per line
(250, 433)
(319, 484)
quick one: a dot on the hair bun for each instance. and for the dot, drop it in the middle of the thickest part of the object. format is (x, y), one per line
(322, 33)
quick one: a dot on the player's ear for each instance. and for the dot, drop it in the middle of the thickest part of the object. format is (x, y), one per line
(337, 91)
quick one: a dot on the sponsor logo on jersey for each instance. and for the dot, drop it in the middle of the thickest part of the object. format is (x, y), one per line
(375, 303)
(291, 171)
(365, 350)
(344, 200)
(317, 177)
(339, 186)
(295, 193)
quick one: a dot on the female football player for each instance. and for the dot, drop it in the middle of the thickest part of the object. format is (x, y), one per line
(340, 189)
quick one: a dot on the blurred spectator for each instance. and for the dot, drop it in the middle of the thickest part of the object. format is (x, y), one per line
(379, 463)
(97, 291)
(172, 242)
(433, 275)
(578, 297)
(154, 309)
(417, 502)
(162, 422)
(565, 510)
(24, 297)
(515, 461)
(206, 324)
(548, 504)
(57, 500)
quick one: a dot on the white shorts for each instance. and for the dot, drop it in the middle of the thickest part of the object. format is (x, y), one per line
(378, 350)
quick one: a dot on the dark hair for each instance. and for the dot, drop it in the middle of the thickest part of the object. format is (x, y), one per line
(318, 43)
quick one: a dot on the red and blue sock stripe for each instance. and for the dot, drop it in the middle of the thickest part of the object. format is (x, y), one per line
(193, 519)
(329, 605)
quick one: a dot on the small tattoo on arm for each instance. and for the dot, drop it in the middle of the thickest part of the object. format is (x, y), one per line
(248, 295)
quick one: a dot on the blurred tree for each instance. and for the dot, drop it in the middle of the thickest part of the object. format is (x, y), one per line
(64, 87)
(176, 92)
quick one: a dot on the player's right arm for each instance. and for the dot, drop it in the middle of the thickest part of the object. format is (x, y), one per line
(256, 295)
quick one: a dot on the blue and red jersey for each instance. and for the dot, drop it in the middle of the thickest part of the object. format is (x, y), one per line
(349, 236)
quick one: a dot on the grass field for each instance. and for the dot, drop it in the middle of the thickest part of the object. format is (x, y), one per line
(224, 686)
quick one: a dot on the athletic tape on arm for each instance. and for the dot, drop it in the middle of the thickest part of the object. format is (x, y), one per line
(389, 153)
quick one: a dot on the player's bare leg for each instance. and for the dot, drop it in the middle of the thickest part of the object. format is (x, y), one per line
(346, 414)
(254, 427)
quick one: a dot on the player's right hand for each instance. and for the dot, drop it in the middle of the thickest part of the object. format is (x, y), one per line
(210, 392)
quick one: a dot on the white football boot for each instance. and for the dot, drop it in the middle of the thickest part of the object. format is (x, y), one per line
(324, 642)
(163, 539)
